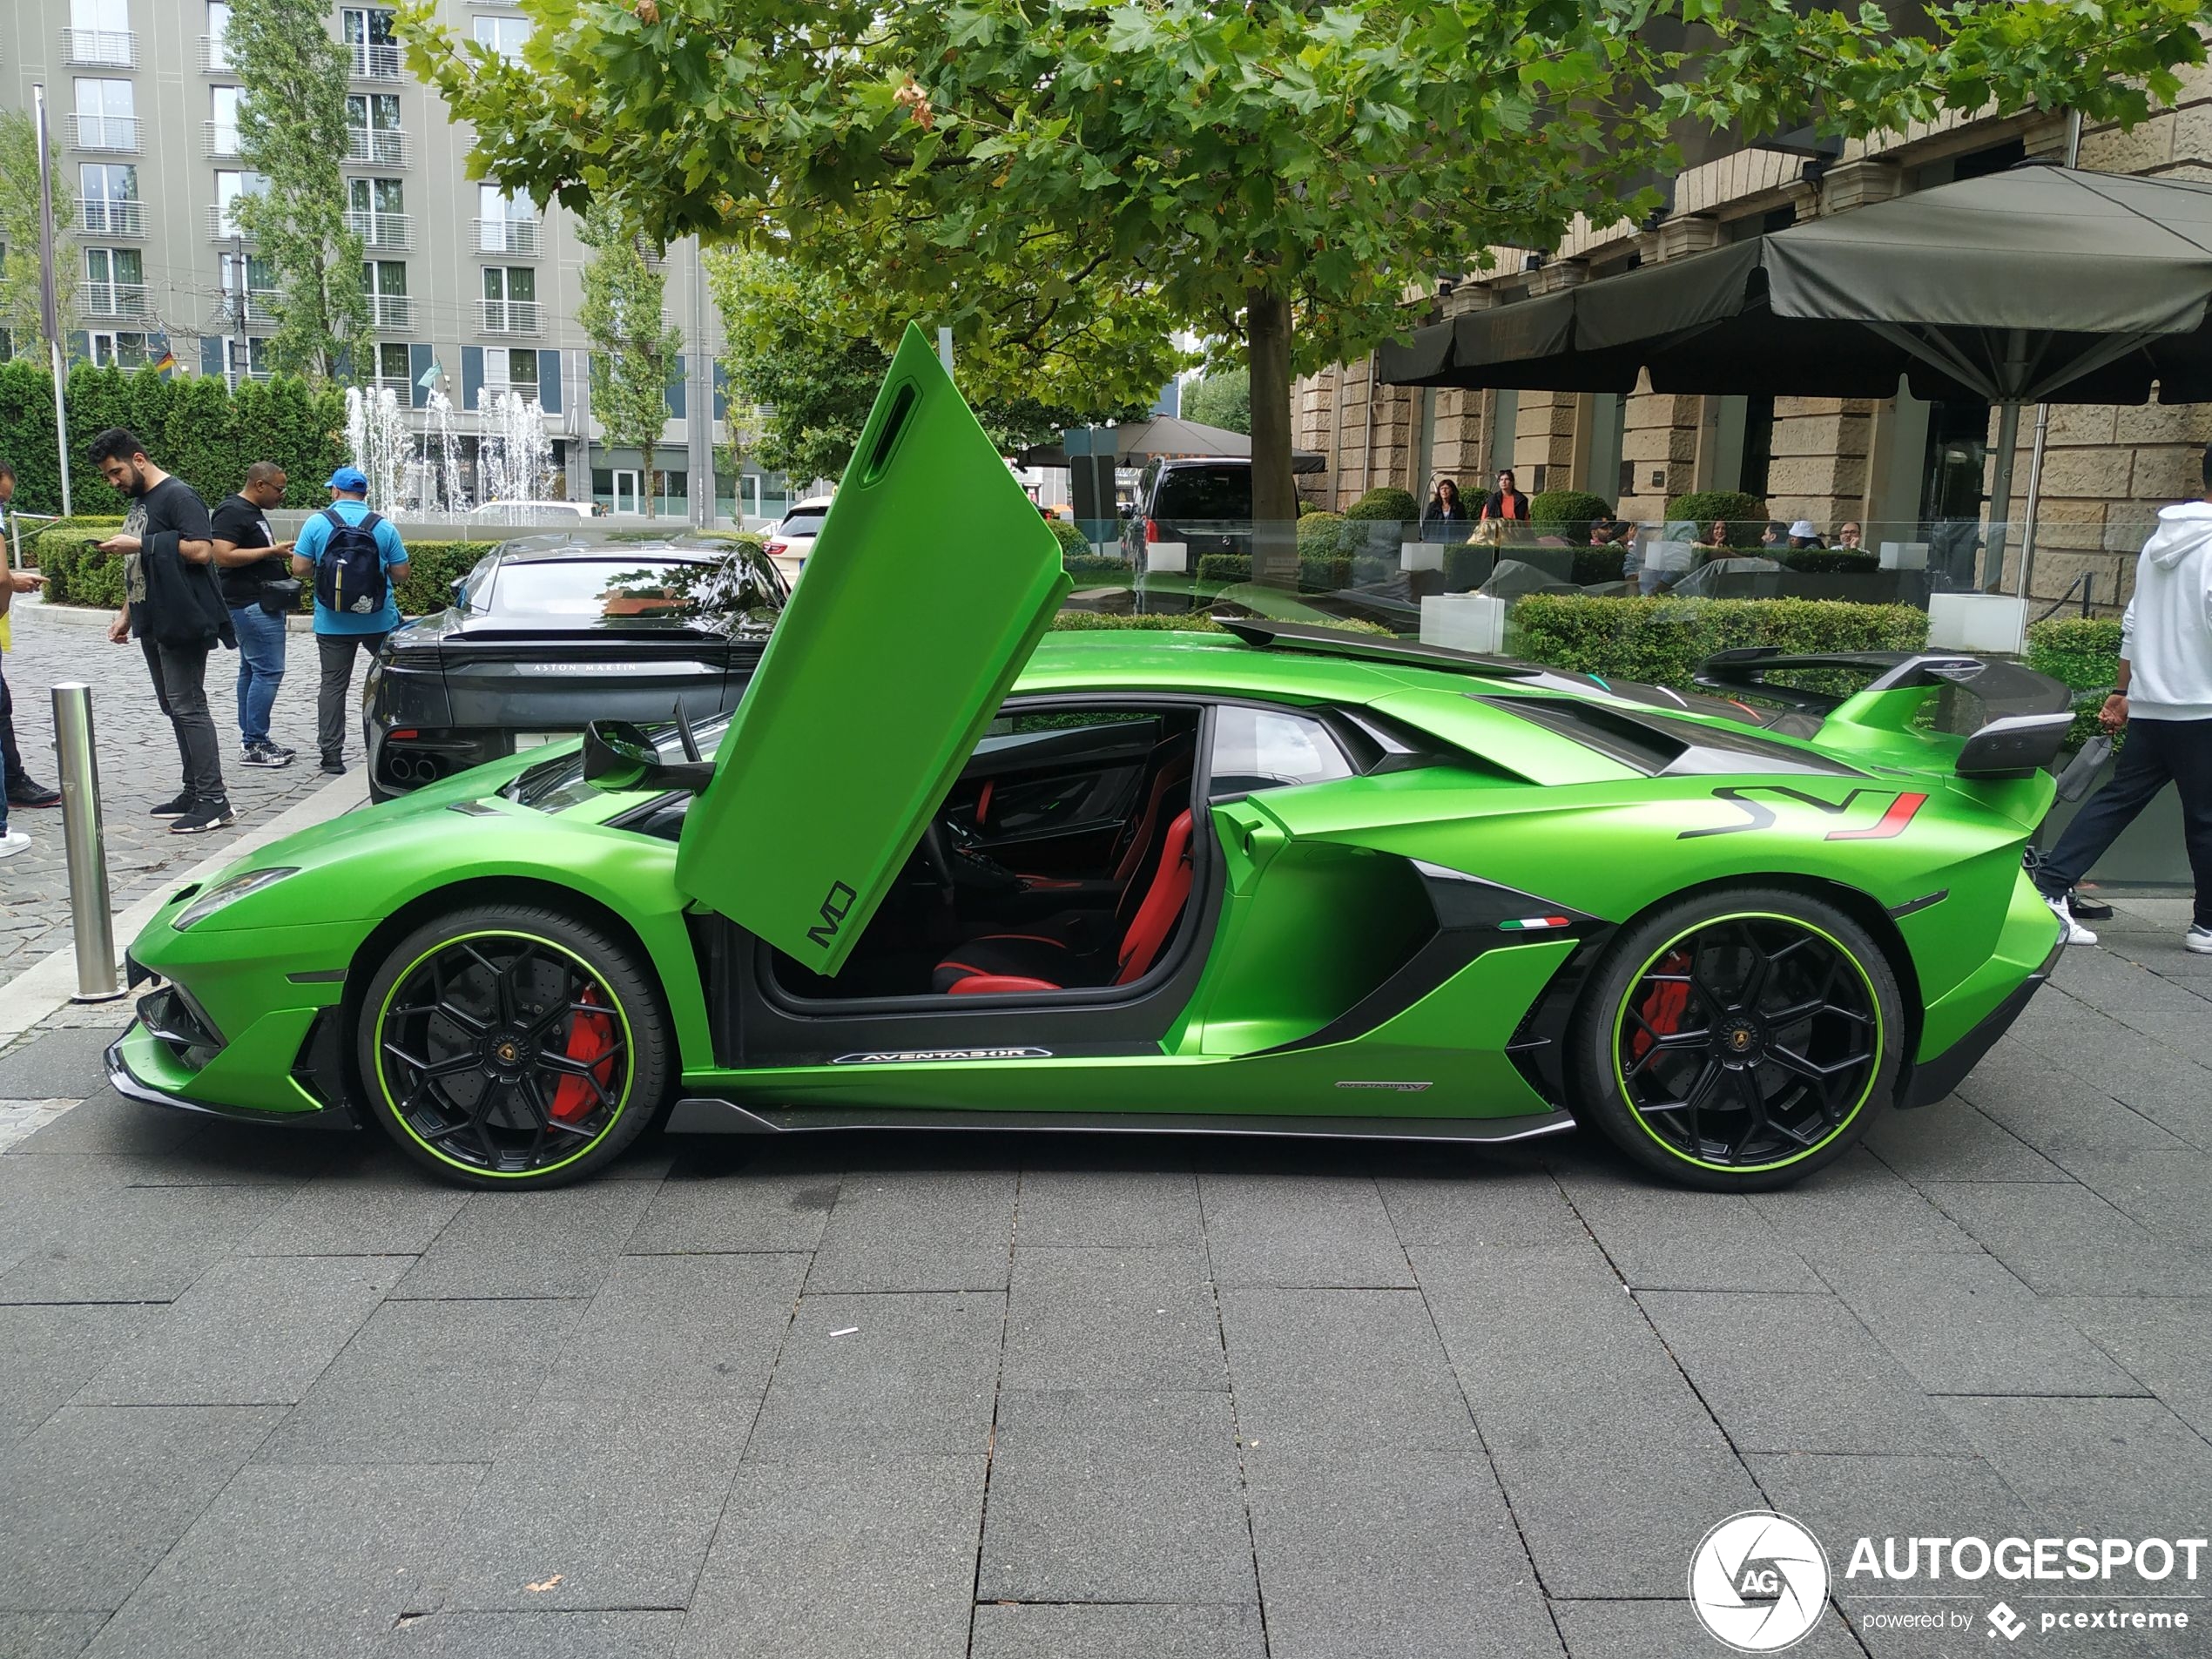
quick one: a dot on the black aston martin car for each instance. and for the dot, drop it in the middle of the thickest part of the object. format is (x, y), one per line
(550, 632)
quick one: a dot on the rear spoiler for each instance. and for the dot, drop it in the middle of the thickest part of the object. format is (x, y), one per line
(2027, 714)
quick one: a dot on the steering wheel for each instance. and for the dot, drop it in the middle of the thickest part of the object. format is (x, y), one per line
(956, 860)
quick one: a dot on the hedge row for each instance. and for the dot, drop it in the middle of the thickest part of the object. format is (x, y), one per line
(2082, 653)
(1661, 641)
(1315, 574)
(78, 574)
(1746, 514)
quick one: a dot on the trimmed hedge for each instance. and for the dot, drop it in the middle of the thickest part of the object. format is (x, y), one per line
(2082, 653)
(1746, 514)
(1091, 568)
(77, 575)
(1661, 641)
(1088, 622)
(1225, 567)
(1327, 535)
(1574, 509)
(1385, 503)
(1072, 544)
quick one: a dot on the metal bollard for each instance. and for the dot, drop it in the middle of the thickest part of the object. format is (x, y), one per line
(84, 844)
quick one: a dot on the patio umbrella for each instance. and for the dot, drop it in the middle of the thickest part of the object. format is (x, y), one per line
(1171, 436)
(2040, 284)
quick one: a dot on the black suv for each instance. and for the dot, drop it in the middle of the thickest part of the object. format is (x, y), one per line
(1207, 505)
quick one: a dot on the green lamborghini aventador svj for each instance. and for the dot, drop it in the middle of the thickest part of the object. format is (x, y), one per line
(1275, 879)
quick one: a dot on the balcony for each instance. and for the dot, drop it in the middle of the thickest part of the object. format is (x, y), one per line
(372, 62)
(112, 219)
(215, 55)
(515, 238)
(222, 224)
(388, 313)
(114, 300)
(510, 316)
(218, 140)
(381, 232)
(376, 147)
(100, 48)
(400, 386)
(115, 135)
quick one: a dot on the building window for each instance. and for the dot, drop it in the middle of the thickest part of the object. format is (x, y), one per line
(376, 212)
(372, 122)
(510, 299)
(106, 115)
(367, 31)
(99, 32)
(260, 288)
(217, 54)
(119, 348)
(222, 120)
(504, 226)
(385, 283)
(230, 185)
(511, 371)
(245, 358)
(108, 199)
(114, 282)
(505, 36)
(394, 369)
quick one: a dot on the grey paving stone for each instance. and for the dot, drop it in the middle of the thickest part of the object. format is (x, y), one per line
(1965, 1325)
(917, 1230)
(680, 1327)
(2067, 1241)
(1300, 1230)
(1118, 1207)
(1858, 1206)
(139, 1244)
(1796, 1374)
(1953, 1141)
(1348, 1369)
(48, 1354)
(1411, 1555)
(104, 1124)
(1485, 1205)
(394, 1212)
(96, 1496)
(2162, 1341)
(597, 1502)
(60, 1064)
(534, 1635)
(42, 1196)
(864, 1560)
(913, 1379)
(1668, 1629)
(293, 1562)
(252, 1332)
(2100, 1467)
(1088, 1318)
(1663, 1237)
(562, 1243)
(2047, 1104)
(428, 1382)
(753, 1209)
(1115, 1497)
(229, 1154)
(47, 1636)
(2165, 1192)
(1019, 1630)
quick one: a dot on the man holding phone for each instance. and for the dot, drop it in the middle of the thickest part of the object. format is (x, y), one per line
(259, 591)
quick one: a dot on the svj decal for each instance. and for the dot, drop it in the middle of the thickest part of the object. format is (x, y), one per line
(1898, 811)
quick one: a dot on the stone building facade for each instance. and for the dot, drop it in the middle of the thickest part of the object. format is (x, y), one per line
(1900, 467)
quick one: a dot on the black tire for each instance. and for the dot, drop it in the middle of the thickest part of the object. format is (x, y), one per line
(1739, 1040)
(508, 1046)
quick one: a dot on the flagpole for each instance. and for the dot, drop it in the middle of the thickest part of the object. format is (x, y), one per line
(49, 309)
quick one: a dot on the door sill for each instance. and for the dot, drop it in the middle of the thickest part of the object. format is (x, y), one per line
(700, 1114)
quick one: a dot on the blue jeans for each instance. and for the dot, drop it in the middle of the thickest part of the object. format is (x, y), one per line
(260, 668)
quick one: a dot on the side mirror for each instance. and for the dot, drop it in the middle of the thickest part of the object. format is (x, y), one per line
(619, 757)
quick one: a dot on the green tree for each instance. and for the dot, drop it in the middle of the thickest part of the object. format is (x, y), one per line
(1278, 174)
(292, 130)
(802, 345)
(1222, 399)
(635, 352)
(19, 312)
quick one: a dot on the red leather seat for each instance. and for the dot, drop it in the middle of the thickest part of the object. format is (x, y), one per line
(999, 964)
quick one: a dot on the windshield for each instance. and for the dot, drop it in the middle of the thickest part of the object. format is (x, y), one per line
(1205, 493)
(802, 524)
(556, 784)
(635, 591)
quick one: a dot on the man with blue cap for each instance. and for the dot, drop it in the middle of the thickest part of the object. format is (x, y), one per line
(357, 561)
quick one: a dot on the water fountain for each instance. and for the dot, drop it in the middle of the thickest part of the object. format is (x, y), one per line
(415, 471)
(514, 456)
(376, 434)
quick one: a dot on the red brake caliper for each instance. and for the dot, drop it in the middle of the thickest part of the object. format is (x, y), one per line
(591, 1037)
(1662, 1009)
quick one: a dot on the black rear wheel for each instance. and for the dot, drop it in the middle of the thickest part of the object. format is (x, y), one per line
(508, 1046)
(1739, 1040)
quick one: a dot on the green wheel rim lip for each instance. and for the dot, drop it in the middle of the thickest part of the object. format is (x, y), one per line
(1874, 1066)
(630, 1072)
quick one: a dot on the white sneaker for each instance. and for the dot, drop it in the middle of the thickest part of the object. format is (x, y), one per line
(16, 841)
(2198, 939)
(2070, 930)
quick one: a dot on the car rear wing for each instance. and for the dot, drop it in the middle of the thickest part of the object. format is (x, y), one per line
(2027, 715)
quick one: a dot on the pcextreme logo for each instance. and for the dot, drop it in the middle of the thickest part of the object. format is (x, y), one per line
(1758, 1581)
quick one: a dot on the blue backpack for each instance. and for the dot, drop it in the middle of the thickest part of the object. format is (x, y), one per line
(350, 577)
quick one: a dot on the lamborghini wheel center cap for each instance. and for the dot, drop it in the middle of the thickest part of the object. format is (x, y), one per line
(1740, 1043)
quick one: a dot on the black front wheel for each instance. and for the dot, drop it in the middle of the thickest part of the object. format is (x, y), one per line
(1738, 1040)
(511, 1046)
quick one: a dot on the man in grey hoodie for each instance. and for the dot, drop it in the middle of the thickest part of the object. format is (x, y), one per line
(2164, 698)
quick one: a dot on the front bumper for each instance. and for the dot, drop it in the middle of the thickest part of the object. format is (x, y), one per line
(143, 1065)
(1932, 1079)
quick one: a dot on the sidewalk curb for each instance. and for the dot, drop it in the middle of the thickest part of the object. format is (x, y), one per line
(47, 985)
(100, 616)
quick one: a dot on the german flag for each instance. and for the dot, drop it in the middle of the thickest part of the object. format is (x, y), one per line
(166, 365)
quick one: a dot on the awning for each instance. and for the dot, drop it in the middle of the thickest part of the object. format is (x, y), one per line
(1170, 437)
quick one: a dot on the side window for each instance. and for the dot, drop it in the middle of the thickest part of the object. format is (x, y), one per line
(1256, 749)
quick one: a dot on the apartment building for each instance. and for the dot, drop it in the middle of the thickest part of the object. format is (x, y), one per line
(469, 289)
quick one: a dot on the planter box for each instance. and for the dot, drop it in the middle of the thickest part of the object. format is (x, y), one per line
(1464, 621)
(1168, 558)
(1994, 622)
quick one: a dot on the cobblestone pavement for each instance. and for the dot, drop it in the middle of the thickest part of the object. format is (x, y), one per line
(275, 1394)
(139, 767)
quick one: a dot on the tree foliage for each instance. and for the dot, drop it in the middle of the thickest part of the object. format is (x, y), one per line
(19, 312)
(635, 351)
(1275, 175)
(1223, 399)
(801, 347)
(292, 130)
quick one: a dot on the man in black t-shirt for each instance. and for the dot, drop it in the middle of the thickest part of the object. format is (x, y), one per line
(248, 557)
(173, 607)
